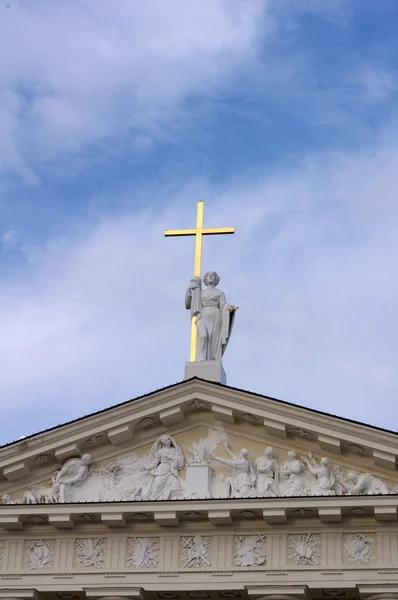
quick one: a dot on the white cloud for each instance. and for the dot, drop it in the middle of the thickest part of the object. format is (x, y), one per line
(99, 317)
(76, 73)
(9, 238)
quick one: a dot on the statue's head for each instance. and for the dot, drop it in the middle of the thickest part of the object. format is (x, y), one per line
(352, 476)
(244, 453)
(211, 278)
(268, 451)
(324, 461)
(291, 455)
(165, 440)
(86, 458)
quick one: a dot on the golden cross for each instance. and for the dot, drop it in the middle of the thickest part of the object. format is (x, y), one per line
(198, 232)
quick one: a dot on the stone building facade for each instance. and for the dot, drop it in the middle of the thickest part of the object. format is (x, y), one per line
(201, 491)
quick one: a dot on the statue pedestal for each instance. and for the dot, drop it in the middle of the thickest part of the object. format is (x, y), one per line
(199, 480)
(212, 370)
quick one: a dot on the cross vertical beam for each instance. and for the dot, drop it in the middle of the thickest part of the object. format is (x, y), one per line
(198, 232)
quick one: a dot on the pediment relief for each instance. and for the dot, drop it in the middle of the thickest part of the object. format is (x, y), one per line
(129, 423)
(203, 457)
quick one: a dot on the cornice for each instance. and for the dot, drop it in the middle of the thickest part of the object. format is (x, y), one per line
(117, 425)
(217, 512)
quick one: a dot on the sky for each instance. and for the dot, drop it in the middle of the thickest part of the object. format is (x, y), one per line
(116, 118)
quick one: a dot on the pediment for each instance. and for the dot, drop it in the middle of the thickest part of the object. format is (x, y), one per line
(200, 417)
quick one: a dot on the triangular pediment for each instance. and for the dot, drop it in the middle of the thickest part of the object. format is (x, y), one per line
(201, 417)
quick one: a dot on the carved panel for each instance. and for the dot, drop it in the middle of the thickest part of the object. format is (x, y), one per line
(249, 550)
(195, 552)
(90, 552)
(304, 550)
(359, 549)
(39, 555)
(143, 552)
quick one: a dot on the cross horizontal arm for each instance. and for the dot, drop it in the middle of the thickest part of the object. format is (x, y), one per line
(204, 231)
(172, 232)
(216, 230)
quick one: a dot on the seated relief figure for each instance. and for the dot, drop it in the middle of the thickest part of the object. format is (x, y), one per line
(267, 473)
(243, 478)
(325, 478)
(214, 317)
(292, 474)
(165, 459)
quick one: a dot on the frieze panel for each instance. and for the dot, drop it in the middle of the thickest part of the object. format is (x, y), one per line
(229, 552)
(90, 552)
(164, 473)
(359, 549)
(249, 550)
(143, 552)
(39, 555)
(304, 550)
(195, 552)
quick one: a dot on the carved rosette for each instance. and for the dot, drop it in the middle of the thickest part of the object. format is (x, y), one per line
(142, 552)
(195, 552)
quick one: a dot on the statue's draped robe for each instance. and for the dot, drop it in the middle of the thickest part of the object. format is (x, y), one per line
(242, 476)
(213, 323)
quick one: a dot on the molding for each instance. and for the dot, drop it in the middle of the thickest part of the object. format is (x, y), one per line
(324, 509)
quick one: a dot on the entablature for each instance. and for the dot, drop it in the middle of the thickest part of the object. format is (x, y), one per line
(217, 512)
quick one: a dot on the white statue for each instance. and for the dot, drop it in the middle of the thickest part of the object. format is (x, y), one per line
(267, 470)
(292, 473)
(6, 499)
(41, 494)
(165, 460)
(325, 479)
(243, 477)
(359, 484)
(214, 317)
(75, 470)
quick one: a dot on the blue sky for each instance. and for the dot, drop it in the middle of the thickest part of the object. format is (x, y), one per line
(115, 118)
